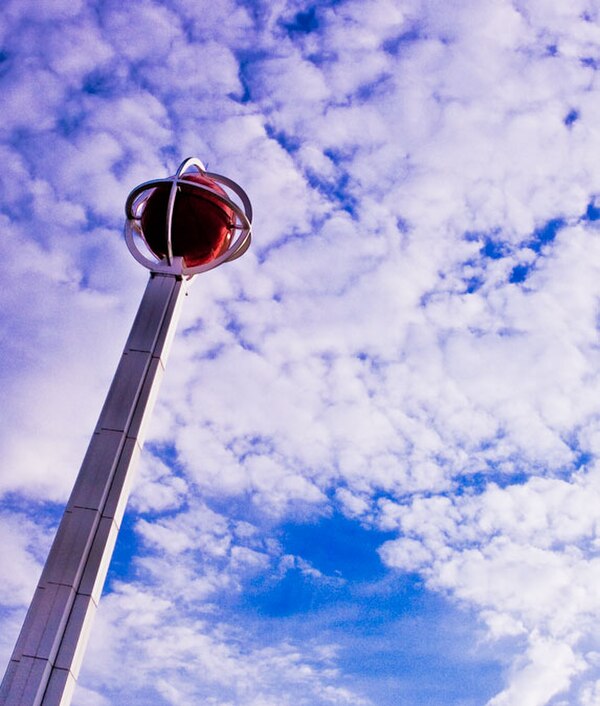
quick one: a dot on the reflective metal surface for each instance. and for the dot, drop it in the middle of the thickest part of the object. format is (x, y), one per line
(45, 663)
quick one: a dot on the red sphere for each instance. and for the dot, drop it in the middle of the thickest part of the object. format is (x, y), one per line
(202, 225)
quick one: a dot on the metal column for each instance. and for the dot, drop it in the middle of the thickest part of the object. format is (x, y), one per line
(45, 663)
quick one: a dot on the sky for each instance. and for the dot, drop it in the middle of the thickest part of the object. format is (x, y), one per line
(372, 476)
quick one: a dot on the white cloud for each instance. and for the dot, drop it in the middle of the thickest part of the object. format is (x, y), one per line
(548, 671)
(366, 355)
(182, 649)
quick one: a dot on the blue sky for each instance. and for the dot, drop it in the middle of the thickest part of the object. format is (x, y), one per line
(372, 475)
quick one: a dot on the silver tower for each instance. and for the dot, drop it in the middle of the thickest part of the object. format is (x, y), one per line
(46, 660)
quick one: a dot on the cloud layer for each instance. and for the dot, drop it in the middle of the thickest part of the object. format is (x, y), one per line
(411, 343)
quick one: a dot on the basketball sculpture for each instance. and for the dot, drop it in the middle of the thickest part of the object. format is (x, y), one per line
(188, 223)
